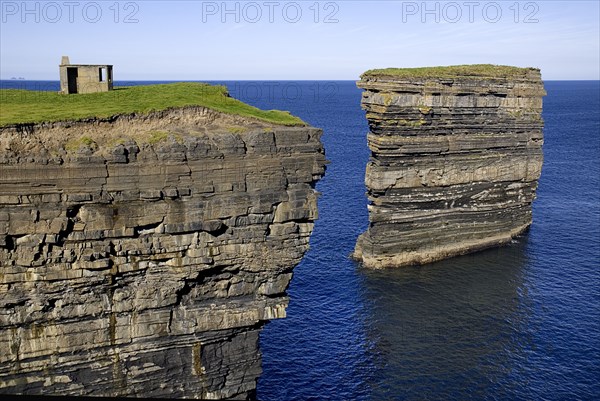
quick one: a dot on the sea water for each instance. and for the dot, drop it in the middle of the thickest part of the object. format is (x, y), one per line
(519, 322)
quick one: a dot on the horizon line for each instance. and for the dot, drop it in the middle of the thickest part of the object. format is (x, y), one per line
(253, 80)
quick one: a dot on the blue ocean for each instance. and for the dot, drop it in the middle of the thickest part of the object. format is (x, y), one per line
(520, 322)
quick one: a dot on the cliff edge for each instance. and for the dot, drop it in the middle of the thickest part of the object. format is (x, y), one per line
(140, 254)
(456, 153)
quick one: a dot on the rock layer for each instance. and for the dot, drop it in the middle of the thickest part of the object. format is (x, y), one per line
(141, 255)
(455, 161)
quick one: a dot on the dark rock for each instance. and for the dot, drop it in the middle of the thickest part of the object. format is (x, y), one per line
(454, 164)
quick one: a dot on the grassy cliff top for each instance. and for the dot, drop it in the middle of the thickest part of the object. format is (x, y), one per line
(453, 71)
(22, 106)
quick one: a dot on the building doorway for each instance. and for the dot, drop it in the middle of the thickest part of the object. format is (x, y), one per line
(72, 79)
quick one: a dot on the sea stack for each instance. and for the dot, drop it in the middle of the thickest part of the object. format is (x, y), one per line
(141, 254)
(456, 154)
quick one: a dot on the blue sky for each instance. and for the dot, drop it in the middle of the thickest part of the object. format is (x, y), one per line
(212, 40)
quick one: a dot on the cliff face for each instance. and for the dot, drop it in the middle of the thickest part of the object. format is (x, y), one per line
(454, 165)
(141, 255)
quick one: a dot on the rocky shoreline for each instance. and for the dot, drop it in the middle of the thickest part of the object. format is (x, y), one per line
(140, 255)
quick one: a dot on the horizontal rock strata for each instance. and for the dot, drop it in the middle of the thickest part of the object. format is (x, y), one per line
(454, 165)
(141, 255)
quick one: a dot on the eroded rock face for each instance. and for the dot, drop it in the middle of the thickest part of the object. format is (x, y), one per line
(141, 256)
(454, 164)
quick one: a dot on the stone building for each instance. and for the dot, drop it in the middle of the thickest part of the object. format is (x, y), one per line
(84, 78)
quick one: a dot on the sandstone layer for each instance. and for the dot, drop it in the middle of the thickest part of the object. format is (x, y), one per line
(140, 255)
(455, 159)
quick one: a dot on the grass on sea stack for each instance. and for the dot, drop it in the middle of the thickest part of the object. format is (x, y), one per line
(22, 106)
(453, 71)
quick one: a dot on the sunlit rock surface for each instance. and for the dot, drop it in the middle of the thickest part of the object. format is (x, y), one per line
(456, 157)
(141, 255)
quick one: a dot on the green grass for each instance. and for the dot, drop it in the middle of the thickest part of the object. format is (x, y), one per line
(75, 144)
(22, 106)
(237, 130)
(157, 136)
(454, 71)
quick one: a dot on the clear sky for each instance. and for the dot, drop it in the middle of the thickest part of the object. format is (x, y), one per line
(215, 40)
